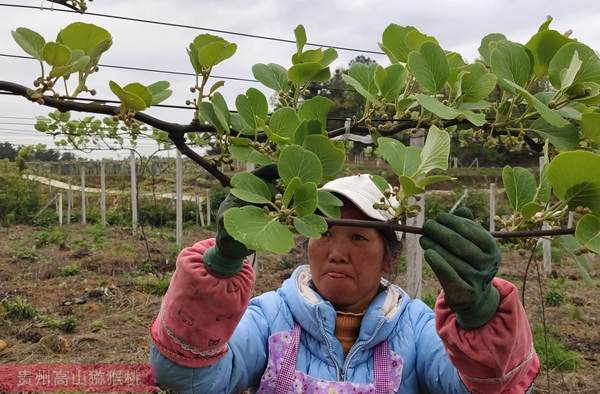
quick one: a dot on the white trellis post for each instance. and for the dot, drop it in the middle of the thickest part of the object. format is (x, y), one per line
(102, 194)
(208, 208)
(546, 242)
(178, 199)
(414, 253)
(83, 217)
(60, 209)
(570, 220)
(492, 207)
(134, 204)
(250, 167)
(200, 212)
(69, 202)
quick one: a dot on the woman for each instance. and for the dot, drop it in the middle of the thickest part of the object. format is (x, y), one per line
(336, 326)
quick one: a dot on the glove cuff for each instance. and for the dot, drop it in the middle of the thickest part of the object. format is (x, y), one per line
(220, 265)
(480, 313)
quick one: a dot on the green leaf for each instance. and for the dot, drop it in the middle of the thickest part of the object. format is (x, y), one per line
(569, 74)
(192, 52)
(530, 209)
(291, 188)
(570, 245)
(30, 41)
(435, 151)
(455, 60)
(238, 124)
(575, 178)
(91, 39)
(415, 39)
(297, 161)
(544, 189)
(520, 186)
(511, 62)
(488, 44)
(309, 56)
(306, 128)
(248, 187)
(207, 112)
(390, 81)
(478, 119)
(403, 160)
(300, 35)
(477, 84)
(284, 122)
(251, 226)
(544, 45)
(305, 199)
(308, 72)
(587, 232)
(221, 109)
(362, 78)
(272, 76)
(590, 126)
(60, 71)
(394, 44)
(329, 55)
(429, 66)
(316, 108)
(436, 107)
(128, 99)
(216, 86)
(380, 182)
(588, 72)
(430, 180)
(409, 187)
(328, 204)
(141, 91)
(546, 24)
(248, 154)
(562, 138)
(311, 226)
(252, 105)
(549, 115)
(56, 54)
(332, 158)
(211, 50)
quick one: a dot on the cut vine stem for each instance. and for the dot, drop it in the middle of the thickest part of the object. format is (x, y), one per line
(419, 230)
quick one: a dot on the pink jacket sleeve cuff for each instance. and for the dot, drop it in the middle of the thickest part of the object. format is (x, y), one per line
(498, 357)
(199, 311)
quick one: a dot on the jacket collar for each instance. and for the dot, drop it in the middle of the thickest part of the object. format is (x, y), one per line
(317, 316)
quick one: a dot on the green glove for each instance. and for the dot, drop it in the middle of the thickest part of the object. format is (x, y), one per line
(227, 256)
(464, 257)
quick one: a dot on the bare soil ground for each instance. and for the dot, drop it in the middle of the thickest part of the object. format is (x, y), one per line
(94, 293)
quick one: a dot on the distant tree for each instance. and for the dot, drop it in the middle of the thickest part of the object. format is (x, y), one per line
(8, 151)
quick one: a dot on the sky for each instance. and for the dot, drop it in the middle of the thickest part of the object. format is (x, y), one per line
(458, 25)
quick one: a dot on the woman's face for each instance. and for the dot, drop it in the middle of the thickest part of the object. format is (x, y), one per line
(347, 263)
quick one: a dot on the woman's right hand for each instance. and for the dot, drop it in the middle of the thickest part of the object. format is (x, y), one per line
(227, 256)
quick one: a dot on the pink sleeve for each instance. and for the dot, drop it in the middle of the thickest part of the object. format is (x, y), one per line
(199, 311)
(498, 357)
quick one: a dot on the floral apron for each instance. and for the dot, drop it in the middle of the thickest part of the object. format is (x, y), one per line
(281, 376)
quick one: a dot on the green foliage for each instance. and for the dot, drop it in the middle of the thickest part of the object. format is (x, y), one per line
(70, 270)
(152, 284)
(96, 325)
(54, 236)
(558, 357)
(429, 298)
(20, 199)
(26, 253)
(19, 309)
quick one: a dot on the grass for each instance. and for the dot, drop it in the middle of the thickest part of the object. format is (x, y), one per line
(559, 357)
(66, 325)
(152, 284)
(19, 309)
(69, 270)
(28, 254)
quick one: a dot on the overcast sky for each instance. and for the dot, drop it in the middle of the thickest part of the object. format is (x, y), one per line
(459, 25)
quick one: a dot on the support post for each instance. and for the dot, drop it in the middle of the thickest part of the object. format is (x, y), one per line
(102, 194)
(414, 253)
(69, 202)
(208, 208)
(134, 202)
(492, 207)
(60, 209)
(178, 199)
(83, 217)
(546, 242)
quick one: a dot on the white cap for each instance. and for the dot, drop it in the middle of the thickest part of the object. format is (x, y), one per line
(363, 193)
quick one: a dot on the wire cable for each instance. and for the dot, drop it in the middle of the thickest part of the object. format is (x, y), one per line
(171, 24)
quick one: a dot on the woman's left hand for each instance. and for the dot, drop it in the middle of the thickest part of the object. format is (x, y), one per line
(465, 259)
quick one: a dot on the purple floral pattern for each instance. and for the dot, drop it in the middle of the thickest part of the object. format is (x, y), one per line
(303, 383)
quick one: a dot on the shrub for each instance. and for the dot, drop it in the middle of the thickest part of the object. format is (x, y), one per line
(69, 270)
(19, 309)
(26, 254)
(20, 199)
(152, 284)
